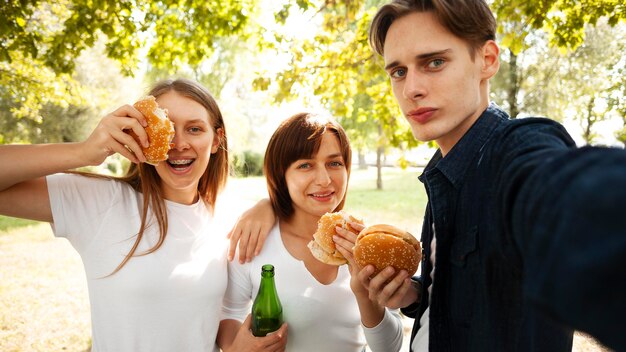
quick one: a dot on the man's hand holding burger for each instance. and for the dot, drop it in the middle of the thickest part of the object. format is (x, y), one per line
(386, 258)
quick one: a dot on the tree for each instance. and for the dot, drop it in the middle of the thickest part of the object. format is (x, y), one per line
(617, 98)
(40, 42)
(590, 76)
(342, 71)
(563, 22)
(176, 32)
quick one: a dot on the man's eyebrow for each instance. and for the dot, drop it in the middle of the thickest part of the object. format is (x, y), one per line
(392, 65)
(420, 57)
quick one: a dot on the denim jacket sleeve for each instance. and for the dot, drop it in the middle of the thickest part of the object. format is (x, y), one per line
(412, 310)
(565, 208)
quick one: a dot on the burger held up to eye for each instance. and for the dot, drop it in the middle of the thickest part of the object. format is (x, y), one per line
(385, 245)
(160, 130)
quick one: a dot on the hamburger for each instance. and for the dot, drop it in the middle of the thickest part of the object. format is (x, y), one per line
(386, 245)
(160, 130)
(322, 246)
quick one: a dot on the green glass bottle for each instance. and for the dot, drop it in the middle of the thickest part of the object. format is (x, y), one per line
(267, 312)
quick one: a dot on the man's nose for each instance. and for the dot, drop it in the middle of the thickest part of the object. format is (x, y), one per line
(414, 85)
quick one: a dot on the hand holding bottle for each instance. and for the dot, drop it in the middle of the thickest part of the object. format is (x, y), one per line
(246, 342)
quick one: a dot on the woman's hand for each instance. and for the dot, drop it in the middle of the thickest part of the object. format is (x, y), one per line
(246, 342)
(109, 137)
(344, 242)
(251, 230)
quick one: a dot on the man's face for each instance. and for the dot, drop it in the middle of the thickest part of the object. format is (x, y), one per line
(440, 89)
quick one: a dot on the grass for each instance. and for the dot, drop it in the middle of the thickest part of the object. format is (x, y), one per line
(401, 202)
(7, 223)
(44, 304)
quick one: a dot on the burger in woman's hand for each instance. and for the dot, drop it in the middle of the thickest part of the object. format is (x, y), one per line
(160, 130)
(322, 246)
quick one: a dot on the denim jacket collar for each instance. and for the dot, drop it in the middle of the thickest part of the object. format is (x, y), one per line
(455, 165)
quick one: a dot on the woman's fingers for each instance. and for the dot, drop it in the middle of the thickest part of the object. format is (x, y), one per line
(234, 236)
(128, 143)
(243, 243)
(130, 111)
(110, 136)
(264, 232)
(348, 235)
(277, 340)
(250, 247)
(345, 252)
(357, 226)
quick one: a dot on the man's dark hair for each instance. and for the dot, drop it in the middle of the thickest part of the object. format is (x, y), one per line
(470, 20)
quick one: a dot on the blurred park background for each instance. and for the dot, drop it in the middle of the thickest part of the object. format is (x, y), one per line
(66, 63)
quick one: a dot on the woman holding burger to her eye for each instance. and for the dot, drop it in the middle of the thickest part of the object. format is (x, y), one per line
(153, 249)
(326, 308)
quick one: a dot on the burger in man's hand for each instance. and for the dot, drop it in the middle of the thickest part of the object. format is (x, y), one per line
(386, 245)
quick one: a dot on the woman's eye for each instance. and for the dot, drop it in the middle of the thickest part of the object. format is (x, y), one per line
(336, 164)
(195, 129)
(304, 166)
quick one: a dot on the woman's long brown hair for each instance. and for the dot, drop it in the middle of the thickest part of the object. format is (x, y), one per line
(144, 178)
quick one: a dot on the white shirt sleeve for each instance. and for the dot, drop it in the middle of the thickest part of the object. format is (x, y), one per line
(79, 204)
(238, 297)
(387, 335)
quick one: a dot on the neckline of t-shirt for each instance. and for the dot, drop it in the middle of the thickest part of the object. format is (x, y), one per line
(171, 203)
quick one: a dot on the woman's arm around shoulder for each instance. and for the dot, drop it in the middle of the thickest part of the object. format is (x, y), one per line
(251, 230)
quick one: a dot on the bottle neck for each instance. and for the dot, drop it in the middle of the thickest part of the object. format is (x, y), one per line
(267, 284)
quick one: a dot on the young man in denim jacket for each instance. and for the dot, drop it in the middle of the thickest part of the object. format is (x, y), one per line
(524, 235)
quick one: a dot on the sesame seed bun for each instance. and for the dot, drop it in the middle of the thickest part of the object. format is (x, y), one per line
(160, 130)
(322, 246)
(386, 245)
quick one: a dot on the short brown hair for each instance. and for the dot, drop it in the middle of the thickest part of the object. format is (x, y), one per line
(470, 20)
(298, 137)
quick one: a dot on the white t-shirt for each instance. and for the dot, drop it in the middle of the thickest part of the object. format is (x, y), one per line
(320, 317)
(168, 300)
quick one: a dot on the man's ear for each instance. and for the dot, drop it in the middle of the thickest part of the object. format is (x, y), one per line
(490, 53)
(217, 140)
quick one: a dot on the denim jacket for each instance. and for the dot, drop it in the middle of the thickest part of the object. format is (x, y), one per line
(495, 202)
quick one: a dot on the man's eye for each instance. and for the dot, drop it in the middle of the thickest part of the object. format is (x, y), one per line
(398, 73)
(436, 63)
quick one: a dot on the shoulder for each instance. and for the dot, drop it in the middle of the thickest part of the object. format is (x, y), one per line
(97, 188)
(272, 251)
(530, 134)
(532, 126)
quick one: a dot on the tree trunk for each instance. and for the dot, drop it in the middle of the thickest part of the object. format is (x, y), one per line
(379, 159)
(513, 86)
(589, 120)
(362, 163)
(379, 167)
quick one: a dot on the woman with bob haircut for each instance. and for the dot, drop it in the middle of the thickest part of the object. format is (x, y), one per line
(307, 166)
